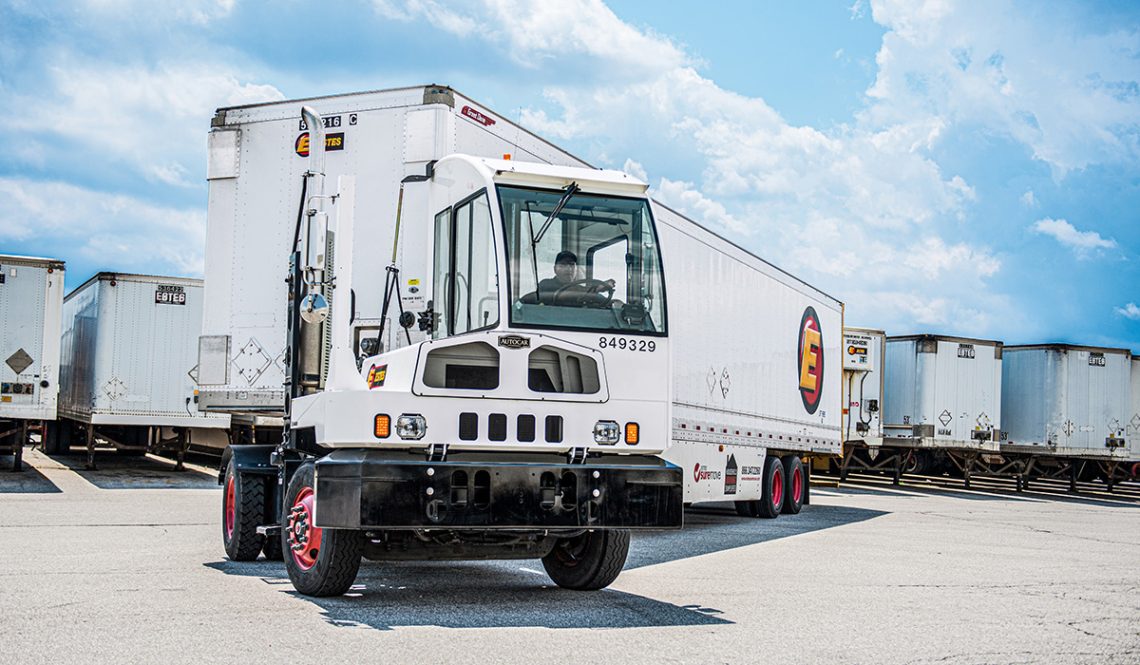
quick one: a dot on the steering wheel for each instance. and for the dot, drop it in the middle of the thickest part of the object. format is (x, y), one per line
(585, 293)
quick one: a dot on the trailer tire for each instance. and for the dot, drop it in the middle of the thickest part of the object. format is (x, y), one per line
(53, 441)
(795, 485)
(243, 509)
(590, 561)
(745, 508)
(771, 490)
(320, 562)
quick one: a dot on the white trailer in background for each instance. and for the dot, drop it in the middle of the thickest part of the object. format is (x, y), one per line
(863, 351)
(31, 298)
(129, 366)
(593, 380)
(1067, 411)
(942, 402)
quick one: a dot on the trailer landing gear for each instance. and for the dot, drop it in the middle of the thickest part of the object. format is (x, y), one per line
(588, 562)
(320, 562)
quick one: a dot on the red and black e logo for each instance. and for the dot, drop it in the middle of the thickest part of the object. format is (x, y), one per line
(376, 376)
(811, 360)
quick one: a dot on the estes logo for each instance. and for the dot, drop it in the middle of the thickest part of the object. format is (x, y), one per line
(376, 376)
(810, 351)
(332, 142)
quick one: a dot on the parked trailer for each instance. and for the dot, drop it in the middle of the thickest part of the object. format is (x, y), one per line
(129, 366)
(1067, 411)
(864, 351)
(31, 298)
(575, 380)
(942, 404)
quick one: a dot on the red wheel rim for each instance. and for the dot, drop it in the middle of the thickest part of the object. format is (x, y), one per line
(777, 488)
(797, 484)
(231, 512)
(304, 538)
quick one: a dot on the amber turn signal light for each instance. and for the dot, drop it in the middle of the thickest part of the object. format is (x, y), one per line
(632, 433)
(382, 426)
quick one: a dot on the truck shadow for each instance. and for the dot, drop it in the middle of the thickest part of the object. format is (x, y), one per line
(28, 481)
(499, 594)
(714, 527)
(116, 472)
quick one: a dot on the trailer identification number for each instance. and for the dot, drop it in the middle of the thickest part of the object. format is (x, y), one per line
(624, 344)
(1096, 359)
(169, 294)
(965, 350)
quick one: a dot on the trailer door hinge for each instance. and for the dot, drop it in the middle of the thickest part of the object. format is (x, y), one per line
(437, 452)
(577, 456)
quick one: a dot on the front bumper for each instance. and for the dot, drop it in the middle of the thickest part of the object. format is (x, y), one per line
(379, 489)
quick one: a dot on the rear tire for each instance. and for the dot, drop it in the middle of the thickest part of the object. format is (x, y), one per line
(53, 437)
(795, 485)
(771, 489)
(243, 509)
(588, 562)
(320, 562)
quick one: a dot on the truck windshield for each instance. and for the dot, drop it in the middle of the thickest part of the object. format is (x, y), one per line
(582, 261)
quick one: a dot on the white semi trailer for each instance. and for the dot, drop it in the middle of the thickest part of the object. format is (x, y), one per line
(129, 355)
(479, 356)
(942, 402)
(1067, 411)
(31, 298)
(863, 352)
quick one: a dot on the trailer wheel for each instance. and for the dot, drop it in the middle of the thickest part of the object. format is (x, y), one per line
(320, 562)
(590, 561)
(772, 489)
(243, 509)
(795, 485)
(53, 439)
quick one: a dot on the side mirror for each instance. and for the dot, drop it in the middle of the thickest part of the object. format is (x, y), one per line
(314, 308)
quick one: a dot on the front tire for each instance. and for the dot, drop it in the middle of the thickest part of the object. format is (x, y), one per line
(243, 509)
(590, 561)
(320, 562)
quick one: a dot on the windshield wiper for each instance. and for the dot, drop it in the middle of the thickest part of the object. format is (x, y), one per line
(570, 191)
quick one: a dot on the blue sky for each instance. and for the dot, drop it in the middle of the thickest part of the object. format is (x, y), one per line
(958, 167)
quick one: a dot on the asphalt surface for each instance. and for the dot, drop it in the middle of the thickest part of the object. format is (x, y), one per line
(125, 564)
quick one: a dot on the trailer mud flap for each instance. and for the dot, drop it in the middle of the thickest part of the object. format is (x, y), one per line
(363, 489)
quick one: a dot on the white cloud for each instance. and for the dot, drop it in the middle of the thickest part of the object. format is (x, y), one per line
(636, 170)
(863, 202)
(1028, 199)
(1071, 97)
(101, 228)
(154, 118)
(1081, 242)
(686, 199)
(1129, 311)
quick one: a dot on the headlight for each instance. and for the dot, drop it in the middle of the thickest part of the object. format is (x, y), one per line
(607, 432)
(411, 426)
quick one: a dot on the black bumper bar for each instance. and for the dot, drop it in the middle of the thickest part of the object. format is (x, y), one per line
(366, 489)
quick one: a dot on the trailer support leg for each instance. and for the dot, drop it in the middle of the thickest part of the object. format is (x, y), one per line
(843, 465)
(18, 450)
(90, 431)
(807, 483)
(1110, 475)
(969, 463)
(1073, 476)
(183, 444)
(898, 468)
